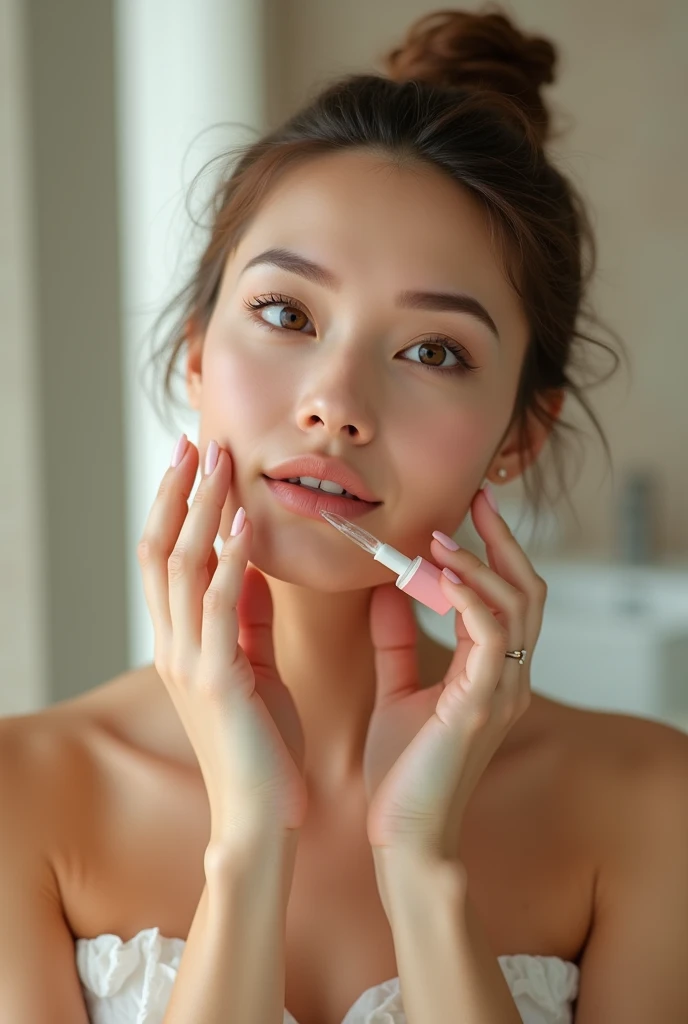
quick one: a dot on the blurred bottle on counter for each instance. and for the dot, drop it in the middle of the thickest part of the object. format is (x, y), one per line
(636, 540)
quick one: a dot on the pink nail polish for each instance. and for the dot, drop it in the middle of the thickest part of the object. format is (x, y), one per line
(491, 498)
(448, 542)
(451, 575)
(211, 457)
(238, 522)
(178, 451)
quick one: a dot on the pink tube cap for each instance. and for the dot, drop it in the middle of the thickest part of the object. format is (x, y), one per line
(422, 582)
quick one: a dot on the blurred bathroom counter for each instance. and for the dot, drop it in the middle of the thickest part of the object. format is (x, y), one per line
(657, 592)
(614, 637)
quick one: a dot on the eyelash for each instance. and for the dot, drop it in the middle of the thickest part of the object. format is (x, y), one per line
(462, 367)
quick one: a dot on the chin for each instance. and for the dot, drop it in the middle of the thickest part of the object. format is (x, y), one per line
(312, 572)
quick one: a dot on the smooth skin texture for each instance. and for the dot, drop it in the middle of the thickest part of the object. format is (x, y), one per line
(348, 381)
(418, 791)
(608, 791)
(214, 653)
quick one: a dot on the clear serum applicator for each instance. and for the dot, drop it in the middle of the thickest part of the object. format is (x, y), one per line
(417, 577)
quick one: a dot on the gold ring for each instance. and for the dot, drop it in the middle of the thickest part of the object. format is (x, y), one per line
(520, 655)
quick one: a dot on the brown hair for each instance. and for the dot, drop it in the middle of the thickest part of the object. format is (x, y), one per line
(462, 93)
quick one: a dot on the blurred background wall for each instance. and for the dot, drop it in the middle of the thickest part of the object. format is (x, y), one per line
(621, 88)
(108, 110)
(63, 619)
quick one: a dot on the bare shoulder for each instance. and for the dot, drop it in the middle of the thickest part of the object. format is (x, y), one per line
(63, 755)
(643, 783)
(621, 749)
(45, 760)
(629, 799)
(37, 771)
(623, 771)
(613, 748)
(58, 789)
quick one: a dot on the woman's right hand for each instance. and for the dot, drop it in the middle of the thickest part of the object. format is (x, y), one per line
(214, 652)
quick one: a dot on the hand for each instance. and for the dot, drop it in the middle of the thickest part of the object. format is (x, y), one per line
(427, 748)
(214, 653)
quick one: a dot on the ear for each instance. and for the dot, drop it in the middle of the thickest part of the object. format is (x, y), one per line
(194, 359)
(537, 433)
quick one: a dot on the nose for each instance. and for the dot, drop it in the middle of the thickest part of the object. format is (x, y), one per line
(335, 402)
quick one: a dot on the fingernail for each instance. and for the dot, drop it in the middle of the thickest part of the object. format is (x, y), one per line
(490, 495)
(448, 542)
(211, 457)
(238, 523)
(178, 450)
(451, 575)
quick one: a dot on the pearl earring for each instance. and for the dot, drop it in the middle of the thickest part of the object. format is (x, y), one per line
(502, 473)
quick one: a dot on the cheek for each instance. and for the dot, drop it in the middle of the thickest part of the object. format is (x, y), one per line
(442, 457)
(239, 397)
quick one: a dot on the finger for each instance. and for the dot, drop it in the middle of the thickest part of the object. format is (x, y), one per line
(480, 671)
(187, 564)
(508, 558)
(157, 541)
(219, 639)
(255, 614)
(511, 606)
(494, 590)
(394, 634)
(211, 564)
(501, 683)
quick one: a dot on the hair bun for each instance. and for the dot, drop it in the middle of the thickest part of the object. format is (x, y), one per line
(482, 51)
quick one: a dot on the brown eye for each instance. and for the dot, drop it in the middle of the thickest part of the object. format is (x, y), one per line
(437, 354)
(292, 317)
(288, 316)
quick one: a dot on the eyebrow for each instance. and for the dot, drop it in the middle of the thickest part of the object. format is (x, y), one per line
(441, 302)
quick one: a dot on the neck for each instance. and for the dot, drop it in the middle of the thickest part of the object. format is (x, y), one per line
(325, 658)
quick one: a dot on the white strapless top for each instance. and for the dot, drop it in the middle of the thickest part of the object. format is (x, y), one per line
(131, 983)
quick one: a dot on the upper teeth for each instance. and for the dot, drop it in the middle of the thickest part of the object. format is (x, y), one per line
(324, 485)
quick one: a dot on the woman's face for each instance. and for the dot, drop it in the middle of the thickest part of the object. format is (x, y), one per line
(355, 374)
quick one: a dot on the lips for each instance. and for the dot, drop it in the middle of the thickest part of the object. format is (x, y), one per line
(324, 467)
(309, 502)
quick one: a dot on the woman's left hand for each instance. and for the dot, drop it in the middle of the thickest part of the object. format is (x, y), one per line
(427, 748)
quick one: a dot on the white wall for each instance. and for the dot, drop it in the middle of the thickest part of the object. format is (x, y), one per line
(106, 113)
(182, 67)
(23, 629)
(61, 545)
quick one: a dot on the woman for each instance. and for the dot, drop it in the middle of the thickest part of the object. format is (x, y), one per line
(304, 811)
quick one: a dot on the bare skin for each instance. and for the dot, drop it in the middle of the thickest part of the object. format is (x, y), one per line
(127, 843)
(555, 839)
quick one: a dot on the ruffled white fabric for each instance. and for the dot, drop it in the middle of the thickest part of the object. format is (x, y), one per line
(131, 983)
